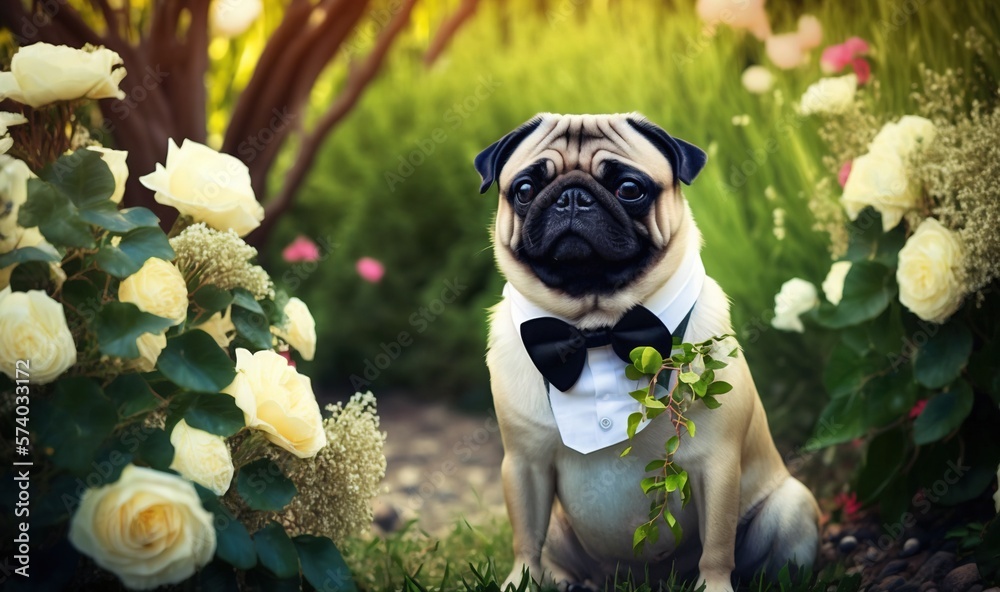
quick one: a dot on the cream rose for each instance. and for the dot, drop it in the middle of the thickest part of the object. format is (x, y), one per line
(148, 528)
(14, 175)
(8, 119)
(833, 285)
(930, 272)
(202, 457)
(33, 327)
(208, 186)
(150, 347)
(157, 288)
(115, 159)
(829, 95)
(795, 297)
(278, 401)
(300, 331)
(220, 326)
(41, 74)
(905, 137)
(880, 180)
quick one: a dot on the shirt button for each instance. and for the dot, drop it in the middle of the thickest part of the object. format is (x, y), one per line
(606, 423)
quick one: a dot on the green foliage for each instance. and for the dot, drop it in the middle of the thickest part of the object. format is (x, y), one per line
(322, 564)
(74, 422)
(276, 552)
(263, 486)
(136, 246)
(119, 324)
(695, 366)
(193, 360)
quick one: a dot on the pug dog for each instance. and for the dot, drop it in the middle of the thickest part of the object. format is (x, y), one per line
(601, 253)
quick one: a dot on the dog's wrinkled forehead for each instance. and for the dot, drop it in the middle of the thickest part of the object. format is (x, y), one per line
(586, 142)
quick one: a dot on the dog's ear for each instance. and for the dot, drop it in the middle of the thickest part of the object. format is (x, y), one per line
(687, 159)
(491, 160)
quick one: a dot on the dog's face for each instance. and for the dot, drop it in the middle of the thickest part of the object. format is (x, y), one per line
(588, 205)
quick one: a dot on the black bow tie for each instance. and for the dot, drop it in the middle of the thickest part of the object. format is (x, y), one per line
(559, 350)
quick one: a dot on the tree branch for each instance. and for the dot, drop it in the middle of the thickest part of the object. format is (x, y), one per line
(357, 81)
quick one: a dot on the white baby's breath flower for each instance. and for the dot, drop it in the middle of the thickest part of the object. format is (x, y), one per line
(829, 95)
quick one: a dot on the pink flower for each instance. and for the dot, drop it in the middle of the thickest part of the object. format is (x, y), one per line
(288, 357)
(300, 249)
(917, 409)
(848, 503)
(785, 50)
(844, 173)
(370, 269)
(861, 69)
(836, 57)
(810, 32)
(738, 14)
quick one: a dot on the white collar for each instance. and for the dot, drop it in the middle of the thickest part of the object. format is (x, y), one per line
(593, 413)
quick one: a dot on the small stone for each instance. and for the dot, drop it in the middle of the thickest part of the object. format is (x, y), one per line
(386, 517)
(892, 568)
(891, 583)
(936, 566)
(976, 588)
(993, 589)
(908, 588)
(961, 578)
(873, 555)
(848, 544)
(910, 547)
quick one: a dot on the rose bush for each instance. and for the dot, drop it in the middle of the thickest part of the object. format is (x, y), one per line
(33, 328)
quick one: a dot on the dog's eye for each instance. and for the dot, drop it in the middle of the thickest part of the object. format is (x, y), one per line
(629, 190)
(524, 191)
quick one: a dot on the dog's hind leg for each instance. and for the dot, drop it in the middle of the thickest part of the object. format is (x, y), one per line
(784, 530)
(563, 557)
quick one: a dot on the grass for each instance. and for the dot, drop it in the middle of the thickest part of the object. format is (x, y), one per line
(477, 559)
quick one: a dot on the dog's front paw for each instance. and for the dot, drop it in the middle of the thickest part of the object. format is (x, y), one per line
(716, 582)
(522, 572)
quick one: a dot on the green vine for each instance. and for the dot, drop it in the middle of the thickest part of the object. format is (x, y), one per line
(695, 365)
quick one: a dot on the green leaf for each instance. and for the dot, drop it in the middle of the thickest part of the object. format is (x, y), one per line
(322, 564)
(719, 388)
(633, 422)
(83, 176)
(689, 377)
(710, 402)
(263, 486)
(219, 576)
(107, 216)
(119, 324)
(74, 422)
(883, 461)
(639, 538)
(846, 371)
(651, 403)
(675, 482)
(156, 449)
(672, 444)
(215, 413)
(943, 414)
(55, 216)
(943, 355)
(253, 327)
(636, 356)
(244, 299)
(640, 395)
(131, 395)
(675, 527)
(25, 254)
(655, 465)
(650, 361)
(841, 421)
(713, 364)
(689, 424)
(650, 483)
(135, 248)
(276, 551)
(193, 360)
(868, 289)
(633, 373)
(625, 452)
(210, 299)
(233, 545)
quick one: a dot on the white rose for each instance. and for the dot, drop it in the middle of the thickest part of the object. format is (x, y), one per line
(157, 288)
(829, 95)
(300, 331)
(278, 401)
(41, 74)
(880, 180)
(115, 159)
(930, 272)
(833, 285)
(14, 175)
(906, 137)
(208, 186)
(150, 347)
(8, 119)
(220, 326)
(33, 327)
(757, 79)
(795, 297)
(230, 18)
(202, 457)
(148, 528)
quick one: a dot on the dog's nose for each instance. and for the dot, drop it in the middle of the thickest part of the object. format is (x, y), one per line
(574, 198)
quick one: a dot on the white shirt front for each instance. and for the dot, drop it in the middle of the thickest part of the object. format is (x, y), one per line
(593, 413)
